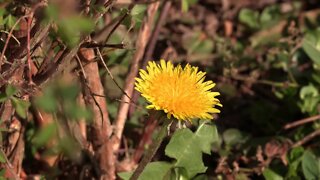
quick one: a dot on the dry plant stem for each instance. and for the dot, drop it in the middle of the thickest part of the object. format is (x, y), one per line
(110, 74)
(101, 129)
(156, 31)
(307, 138)
(152, 44)
(146, 138)
(152, 150)
(28, 48)
(302, 121)
(9, 165)
(7, 40)
(141, 43)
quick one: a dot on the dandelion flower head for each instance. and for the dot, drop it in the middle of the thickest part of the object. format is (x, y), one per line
(179, 92)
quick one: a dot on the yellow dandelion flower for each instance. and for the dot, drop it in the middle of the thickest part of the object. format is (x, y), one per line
(179, 92)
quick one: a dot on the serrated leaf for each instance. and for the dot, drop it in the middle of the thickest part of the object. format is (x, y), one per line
(20, 106)
(155, 171)
(187, 148)
(310, 166)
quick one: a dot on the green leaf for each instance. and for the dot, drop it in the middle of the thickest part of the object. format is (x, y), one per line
(48, 101)
(311, 45)
(11, 90)
(249, 18)
(185, 4)
(20, 106)
(294, 158)
(154, 170)
(3, 97)
(2, 172)
(10, 20)
(310, 166)
(310, 99)
(271, 175)
(198, 47)
(2, 157)
(70, 29)
(270, 16)
(44, 135)
(68, 92)
(233, 136)
(187, 148)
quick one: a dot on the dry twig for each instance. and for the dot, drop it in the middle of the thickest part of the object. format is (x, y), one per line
(143, 38)
(301, 121)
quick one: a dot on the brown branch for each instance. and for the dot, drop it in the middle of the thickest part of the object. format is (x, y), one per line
(307, 138)
(146, 139)
(101, 128)
(143, 38)
(154, 37)
(107, 31)
(29, 61)
(152, 44)
(96, 45)
(110, 74)
(301, 121)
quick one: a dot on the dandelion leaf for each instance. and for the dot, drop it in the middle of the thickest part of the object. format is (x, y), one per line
(187, 147)
(155, 171)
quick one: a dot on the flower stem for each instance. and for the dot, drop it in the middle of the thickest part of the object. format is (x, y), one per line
(152, 150)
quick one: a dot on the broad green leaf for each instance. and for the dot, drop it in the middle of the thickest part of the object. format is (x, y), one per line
(2, 13)
(75, 111)
(311, 45)
(310, 166)
(201, 177)
(70, 147)
(197, 46)
(249, 17)
(309, 99)
(154, 170)
(68, 92)
(187, 148)
(269, 174)
(70, 29)
(3, 97)
(270, 16)
(2, 172)
(47, 102)
(21, 106)
(233, 136)
(10, 20)
(10, 90)
(44, 135)
(294, 158)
